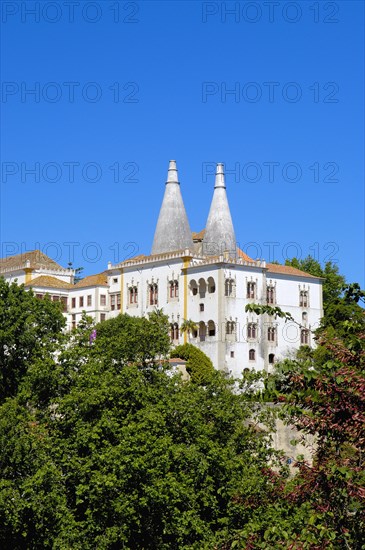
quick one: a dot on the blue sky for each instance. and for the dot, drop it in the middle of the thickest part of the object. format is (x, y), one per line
(274, 90)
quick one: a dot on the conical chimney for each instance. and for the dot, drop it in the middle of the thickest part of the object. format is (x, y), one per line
(219, 234)
(172, 230)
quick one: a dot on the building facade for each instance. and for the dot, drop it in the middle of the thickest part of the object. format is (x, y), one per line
(203, 277)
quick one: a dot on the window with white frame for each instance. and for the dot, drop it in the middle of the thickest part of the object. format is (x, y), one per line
(230, 327)
(304, 337)
(174, 332)
(252, 355)
(252, 331)
(173, 289)
(251, 290)
(230, 287)
(133, 295)
(271, 334)
(153, 294)
(270, 294)
(303, 298)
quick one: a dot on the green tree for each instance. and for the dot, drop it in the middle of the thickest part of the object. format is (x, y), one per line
(199, 366)
(188, 325)
(29, 330)
(127, 339)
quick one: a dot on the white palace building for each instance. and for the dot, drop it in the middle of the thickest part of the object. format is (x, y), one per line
(203, 277)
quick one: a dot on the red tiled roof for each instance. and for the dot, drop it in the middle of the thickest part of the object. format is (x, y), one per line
(36, 259)
(48, 282)
(244, 256)
(288, 270)
(100, 279)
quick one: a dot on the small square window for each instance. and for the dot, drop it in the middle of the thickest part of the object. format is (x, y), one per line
(115, 280)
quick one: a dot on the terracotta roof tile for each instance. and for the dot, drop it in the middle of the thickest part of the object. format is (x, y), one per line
(100, 279)
(48, 282)
(244, 256)
(288, 270)
(198, 236)
(36, 259)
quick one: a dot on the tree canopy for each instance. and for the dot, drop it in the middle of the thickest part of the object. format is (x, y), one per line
(102, 446)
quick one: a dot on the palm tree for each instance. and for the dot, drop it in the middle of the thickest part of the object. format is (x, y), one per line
(188, 326)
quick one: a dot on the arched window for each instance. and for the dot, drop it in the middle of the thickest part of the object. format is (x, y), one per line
(153, 294)
(303, 298)
(193, 287)
(133, 295)
(202, 288)
(252, 331)
(229, 287)
(270, 294)
(231, 330)
(174, 332)
(251, 290)
(173, 289)
(211, 328)
(211, 285)
(252, 355)
(271, 334)
(202, 331)
(271, 358)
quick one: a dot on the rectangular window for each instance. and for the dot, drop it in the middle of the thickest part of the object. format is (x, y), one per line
(81, 301)
(39, 296)
(118, 301)
(89, 300)
(115, 280)
(73, 303)
(102, 317)
(201, 307)
(64, 303)
(112, 302)
(73, 323)
(271, 334)
(304, 337)
(102, 299)
(232, 353)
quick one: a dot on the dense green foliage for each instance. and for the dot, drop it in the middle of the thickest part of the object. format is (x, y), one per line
(103, 447)
(199, 366)
(28, 329)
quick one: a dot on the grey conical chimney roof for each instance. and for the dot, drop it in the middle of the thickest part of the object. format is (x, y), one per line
(219, 232)
(172, 230)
